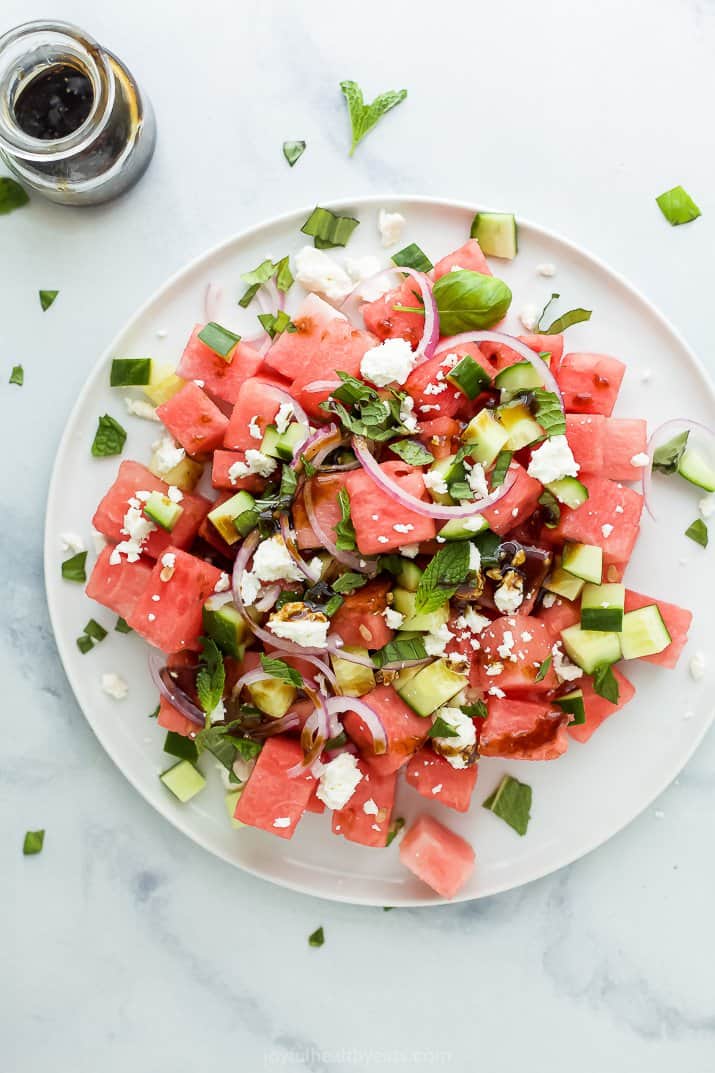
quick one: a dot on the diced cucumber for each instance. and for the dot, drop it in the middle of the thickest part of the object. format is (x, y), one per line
(223, 518)
(272, 696)
(184, 475)
(564, 584)
(487, 436)
(231, 799)
(184, 780)
(582, 560)
(408, 576)
(469, 377)
(404, 602)
(164, 388)
(353, 680)
(226, 626)
(432, 687)
(569, 491)
(496, 233)
(457, 528)
(163, 511)
(573, 704)
(644, 633)
(590, 648)
(180, 746)
(282, 445)
(522, 376)
(446, 468)
(520, 427)
(602, 607)
(696, 469)
(404, 676)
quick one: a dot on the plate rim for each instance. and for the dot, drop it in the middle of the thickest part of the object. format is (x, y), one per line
(49, 550)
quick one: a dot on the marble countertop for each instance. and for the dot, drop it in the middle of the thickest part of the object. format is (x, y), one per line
(126, 947)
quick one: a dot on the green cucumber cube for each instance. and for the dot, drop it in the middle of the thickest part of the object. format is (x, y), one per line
(602, 607)
(644, 632)
(184, 780)
(584, 561)
(591, 648)
(432, 687)
(163, 511)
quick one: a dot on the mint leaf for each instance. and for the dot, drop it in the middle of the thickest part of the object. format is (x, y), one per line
(677, 206)
(73, 569)
(34, 841)
(605, 683)
(549, 413)
(345, 530)
(246, 748)
(109, 439)
(442, 577)
(349, 582)
(666, 458)
(402, 651)
(442, 729)
(412, 452)
(276, 668)
(211, 679)
(363, 117)
(47, 298)
(12, 195)
(475, 711)
(511, 802)
(17, 376)
(293, 151)
(698, 532)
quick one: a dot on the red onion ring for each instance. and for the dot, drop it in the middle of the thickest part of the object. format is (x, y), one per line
(315, 733)
(172, 691)
(453, 342)
(316, 386)
(289, 539)
(283, 397)
(668, 426)
(212, 300)
(338, 705)
(419, 506)
(318, 446)
(289, 721)
(430, 335)
(347, 558)
(265, 602)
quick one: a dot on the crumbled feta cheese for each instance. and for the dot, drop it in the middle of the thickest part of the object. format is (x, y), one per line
(311, 631)
(549, 599)
(436, 789)
(390, 225)
(606, 529)
(167, 454)
(506, 648)
(471, 620)
(435, 389)
(530, 316)
(646, 376)
(254, 428)
(526, 637)
(137, 528)
(383, 540)
(640, 460)
(475, 559)
(566, 671)
(174, 494)
(223, 583)
(473, 524)
(156, 597)
(273, 562)
(428, 408)
(407, 415)
(161, 333)
(370, 283)
(256, 463)
(399, 527)
(282, 821)
(436, 642)
(390, 362)
(284, 416)
(458, 749)
(410, 551)
(435, 482)
(393, 618)
(477, 481)
(317, 271)
(140, 408)
(114, 685)
(495, 691)
(370, 807)
(493, 669)
(250, 587)
(706, 506)
(619, 509)
(338, 781)
(72, 542)
(510, 594)
(697, 666)
(546, 269)
(553, 460)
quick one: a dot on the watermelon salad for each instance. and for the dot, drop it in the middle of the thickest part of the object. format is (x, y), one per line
(383, 539)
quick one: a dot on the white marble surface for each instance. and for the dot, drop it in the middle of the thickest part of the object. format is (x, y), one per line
(125, 947)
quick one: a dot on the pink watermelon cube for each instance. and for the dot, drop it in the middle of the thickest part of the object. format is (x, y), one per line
(292, 352)
(503, 356)
(677, 622)
(523, 730)
(383, 320)
(221, 379)
(375, 513)
(609, 518)
(590, 382)
(518, 503)
(586, 435)
(118, 586)
(561, 615)
(256, 405)
(435, 778)
(272, 799)
(422, 382)
(222, 462)
(598, 708)
(437, 856)
(360, 620)
(469, 256)
(405, 731)
(339, 349)
(625, 438)
(324, 491)
(174, 621)
(193, 420)
(369, 828)
(170, 718)
(519, 644)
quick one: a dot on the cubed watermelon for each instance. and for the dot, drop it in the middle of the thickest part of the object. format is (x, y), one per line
(586, 435)
(440, 436)
(560, 615)
(429, 389)
(255, 406)
(523, 730)
(405, 731)
(314, 802)
(383, 320)
(469, 256)
(369, 828)
(502, 355)
(360, 620)
(590, 382)
(324, 494)
(174, 620)
(435, 778)
(222, 379)
(292, 352)
(220, 478)
(170, 718)
(339, 349)
(118, 586)
(609, 518)
(519, 644)
(677, 622)
(193, 420)
(625, 438)
(376, 514)
(437, 856)
(518, 503)
(598, 708)
(272, 799)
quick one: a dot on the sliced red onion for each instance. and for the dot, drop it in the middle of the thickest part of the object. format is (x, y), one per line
(347, 558)
(212, 301)
(315, 733)
(318, 446)
(324, 669)
(316, 387)
(161, 677)
(250, 678)
(430, 336)
(268, 599)
(283, 397)
(346, 467)
(419, 506)
(453, 342)
(289, 539)
(676, 424)
(338, 705)
(289, 721)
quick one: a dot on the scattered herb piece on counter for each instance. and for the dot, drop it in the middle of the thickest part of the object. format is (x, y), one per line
(677, 206)
(47, 298)
(293, 151)
(34, 841)
(317, 938)
(698, 531)
(109, 439)
(363, 117)
(17, 376)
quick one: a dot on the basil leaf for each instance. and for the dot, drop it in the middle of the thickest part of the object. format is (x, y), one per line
(73, 569)
(317, 938)
(353, 392)
(574, 316)
(698, 532)
(121, 626)
(488, 544)
(293, 151)
(677, 206)
(666, 458)
(109, 439)
(412, 257)
(328, 229)
(549, 413)
(211, 679)
(550, 503)
(280, 670)
(511, 802)
(34, 841)
(12, 195)
(94, 630)
(130, 372)
(412, 452)
(401, 651)
(276, 323)
(543, 669)
(395, 828)
(255, 280)
(349, 582)
(469, 301)
(85, 644)
(442, 577)
(475, 711)
(542, 314)
(605, 683)
(501, 468)
(363, 117)
(345, 530)
(442, 729)
(246, 748)
(47, 298)
(284, 276)
(17, 376)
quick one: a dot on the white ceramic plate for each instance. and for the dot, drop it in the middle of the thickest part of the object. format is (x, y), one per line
(581, 799)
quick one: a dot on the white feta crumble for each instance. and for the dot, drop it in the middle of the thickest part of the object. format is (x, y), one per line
(619, 509)
(256, 463)
(370, 807)
(428, 408)
(640, 460)
(437, 789)
(282, 821)
(473, 524)
(161, 333)
(137, 528)
(309, 632)
(697, 666)
(506, 648)
(549, 599)
(437, 641)
(140, 408)
(566, 671)
(706, 506)
(114, 685)
(435, 389)
(370, 283)
(390, 362)
(477, 481)
(475, 559)
(606, 529)
(526, 636)
(338, 781)
(317, 271)
(223, 583)
(394, 619)
(435, 482)
(495, 691)
(493, 669)
(167, 454)
(273, 562)
(284, 416)
(254, 428)
(471, 620)
(72, 542)
(410, 551)
(456, 749)
(553, 460)
(390, 225)
(383, 540)
(407, 416)
(546, 269)
(646, 376)
(399, 527)
(250, 587)
(509, 595)
(530, 316)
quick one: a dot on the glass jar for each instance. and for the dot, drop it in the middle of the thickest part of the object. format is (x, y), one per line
(111, 147)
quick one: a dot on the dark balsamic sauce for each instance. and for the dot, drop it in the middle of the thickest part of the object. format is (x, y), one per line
(54, 104)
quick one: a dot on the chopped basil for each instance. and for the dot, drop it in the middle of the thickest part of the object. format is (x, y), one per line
(574, 316)
(17, 376)
(293, 151)
(677, 206)
(345, 530)
(280, 670)
(543, 669)
(247, 749)
(337, 742)
(308, 468)
(333, 605)
(605, 683)
(12, 195)
(284, 276)
(501, 467)
(698, 532)
(401, 651)
(412, 452)
(180, 746)
(109, 439)
(412, 257)
(511, 802)
(363, 117)
(469, 301)
(442, 577)
(47, 298)
(460, 490)
(395, 828)
(442, 729)
(327, 229)
(275, 323)
(85, 644)
(352, 391)
(255, 280)
(73, 569)
(94, 630)
(34, 841)
(220, 340)
(349, 582)
(549, 413)
(667, 457)
(469, 377)
(211, 679)
(551, 507)
(317, 938)
(130, 372)
(121, 626)
(478, 710)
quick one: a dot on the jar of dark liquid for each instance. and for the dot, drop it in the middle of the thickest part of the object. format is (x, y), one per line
(73, 123)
